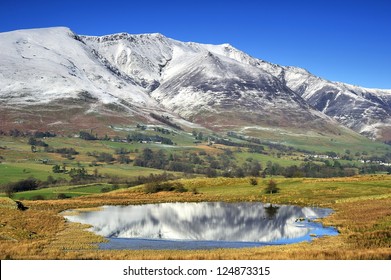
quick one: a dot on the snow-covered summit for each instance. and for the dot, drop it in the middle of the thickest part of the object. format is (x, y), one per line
(42, 65)
(200, 82)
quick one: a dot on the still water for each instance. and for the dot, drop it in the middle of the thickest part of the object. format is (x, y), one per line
(203, 225)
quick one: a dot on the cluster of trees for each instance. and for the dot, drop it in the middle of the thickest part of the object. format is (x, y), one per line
(102, 156)
(76, 174)
(34, 142)
(198, 135)
(122, 157)
(151, 178)
(327, 170)
(134, 137)
(162, 130)
(253, 148)
(141, 126)
(122, 151)
(87, 136)
(139, 137)
(310, 169)
(380, 158)
(166, 120)
(59, 169)
(28, 184)
(65, 152)
(157, 186)
(44, 134)
(68, 153)
(80, 175)
(226, 165)
(227, 142)
(374, 168)
(200, 163)
(36, 134)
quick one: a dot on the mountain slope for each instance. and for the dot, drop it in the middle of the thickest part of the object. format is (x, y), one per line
(366, 111)
(207, 83)
(52, 63)
(53, 77)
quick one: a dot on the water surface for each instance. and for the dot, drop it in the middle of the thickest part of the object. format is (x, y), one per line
(203, 225)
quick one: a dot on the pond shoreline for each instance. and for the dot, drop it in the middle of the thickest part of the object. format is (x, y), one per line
(242, 225)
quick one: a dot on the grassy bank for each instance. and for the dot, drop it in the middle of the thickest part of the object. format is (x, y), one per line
(362, 215)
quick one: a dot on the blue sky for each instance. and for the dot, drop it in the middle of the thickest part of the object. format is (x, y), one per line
(347, 41)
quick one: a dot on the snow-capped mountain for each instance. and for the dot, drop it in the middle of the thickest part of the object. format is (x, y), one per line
(367, 111)
(38, 66)
(124, 77)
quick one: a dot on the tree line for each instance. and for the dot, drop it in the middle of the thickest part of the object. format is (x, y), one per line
(226, 165)
(200, 163)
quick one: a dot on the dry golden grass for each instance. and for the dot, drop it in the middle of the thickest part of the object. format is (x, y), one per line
(357, 178)
(362, 217)
(211, 150)
(7, 203)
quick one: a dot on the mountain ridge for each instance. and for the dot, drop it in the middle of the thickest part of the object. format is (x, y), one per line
(200, 83)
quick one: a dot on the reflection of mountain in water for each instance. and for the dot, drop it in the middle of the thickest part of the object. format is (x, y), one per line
(250, 222)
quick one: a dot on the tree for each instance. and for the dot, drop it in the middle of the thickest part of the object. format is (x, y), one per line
(79, 174)
(34, 142)
(253, 181)
(238, 172)
(252, 168)
(147, 155)
(86, 136)
(106, 157)
(272, 187)
(56, 169)
(211, 173)
(9, 190)
(123, 159)
(22, 185)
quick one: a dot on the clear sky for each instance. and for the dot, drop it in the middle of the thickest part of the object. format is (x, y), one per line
(347, 41)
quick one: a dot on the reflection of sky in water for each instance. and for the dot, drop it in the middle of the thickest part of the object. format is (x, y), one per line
(207, 221)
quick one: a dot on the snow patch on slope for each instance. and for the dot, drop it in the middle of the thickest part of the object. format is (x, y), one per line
(42, 65)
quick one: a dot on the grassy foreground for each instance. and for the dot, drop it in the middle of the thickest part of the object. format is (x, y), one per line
(362, 214)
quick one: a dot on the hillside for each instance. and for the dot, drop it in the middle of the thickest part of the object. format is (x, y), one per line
(57, 80)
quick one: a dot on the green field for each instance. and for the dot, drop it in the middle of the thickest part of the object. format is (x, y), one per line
(321, 143)
(68, 191)
(19, 162)
(14, 171)
(263, 159)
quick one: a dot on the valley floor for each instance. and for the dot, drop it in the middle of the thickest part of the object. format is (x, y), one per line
(362, 206)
